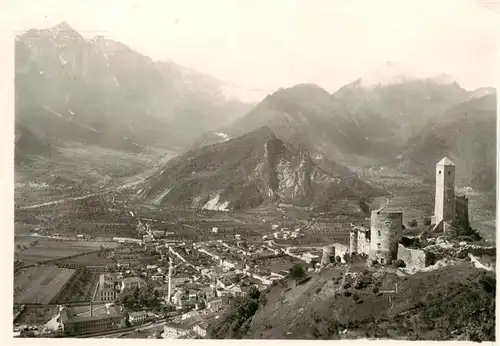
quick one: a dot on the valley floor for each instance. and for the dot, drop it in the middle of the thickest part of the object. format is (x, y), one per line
(77, 170)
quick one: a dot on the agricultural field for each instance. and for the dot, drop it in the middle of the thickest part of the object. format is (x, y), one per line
(39, 285)
(35, 315)
(481, 216)
(93, 259)
(81, 287)
(87, 169)
(31, 250)
(278, 263)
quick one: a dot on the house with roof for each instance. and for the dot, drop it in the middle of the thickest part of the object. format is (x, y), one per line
(173, 330)
(87, 319)
(215, 304)
(137, 317)
(132, 283)
(201, 328)
(180, 281)
(206, 292)
(108, 287)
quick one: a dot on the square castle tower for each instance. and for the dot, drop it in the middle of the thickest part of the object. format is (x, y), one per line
(448, 208)
(444, 205)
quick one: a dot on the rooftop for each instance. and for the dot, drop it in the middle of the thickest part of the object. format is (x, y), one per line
(133, 279)
(445, 161)
(136, 313)
(98, 312)
(175, 325)
(214, 299)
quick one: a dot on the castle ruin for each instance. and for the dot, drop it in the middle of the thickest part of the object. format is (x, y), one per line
(382, 242)
(359, 240)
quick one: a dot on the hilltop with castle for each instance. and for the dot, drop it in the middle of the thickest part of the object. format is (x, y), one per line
(384, 242)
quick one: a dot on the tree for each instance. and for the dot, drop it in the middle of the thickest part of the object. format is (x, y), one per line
(413, 223)
(254, 293)
(399, 263)
(297, 273)
(346, 257)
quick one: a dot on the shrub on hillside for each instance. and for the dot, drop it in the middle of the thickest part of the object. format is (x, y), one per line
(364, 281)
(413, 223)
(466, 309)
(297, 273)
(399, 263)
(347, 257)
(236, 321)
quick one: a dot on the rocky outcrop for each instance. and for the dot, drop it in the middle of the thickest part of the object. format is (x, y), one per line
(247, 171)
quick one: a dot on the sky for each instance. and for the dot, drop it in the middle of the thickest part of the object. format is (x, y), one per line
(259, 46)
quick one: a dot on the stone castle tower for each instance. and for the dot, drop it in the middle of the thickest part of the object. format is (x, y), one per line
(444, 205)
(386, 230)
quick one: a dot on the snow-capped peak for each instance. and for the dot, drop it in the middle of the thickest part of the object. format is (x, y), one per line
(223, 135)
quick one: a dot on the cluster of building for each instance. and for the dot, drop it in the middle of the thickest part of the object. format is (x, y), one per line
(283, 233)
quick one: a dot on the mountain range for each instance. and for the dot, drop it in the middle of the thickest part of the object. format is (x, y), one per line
(295, 146)
(99, 91)
(467, 134)
(372, 125)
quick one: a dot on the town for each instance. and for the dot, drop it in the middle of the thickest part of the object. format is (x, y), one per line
(163, 284)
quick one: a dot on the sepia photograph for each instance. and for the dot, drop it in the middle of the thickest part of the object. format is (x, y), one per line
(249, 169)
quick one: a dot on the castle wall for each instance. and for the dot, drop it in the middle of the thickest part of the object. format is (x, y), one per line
(359, 240)
(462, 210)
(385, 234)
(328, 255)
(341, 250)
(353, 241)
(413, 258)
(364, 242)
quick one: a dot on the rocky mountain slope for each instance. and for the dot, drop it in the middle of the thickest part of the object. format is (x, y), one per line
(467, 134)
(248, 171)
(359, 124)
(99, 91)
(27, 142)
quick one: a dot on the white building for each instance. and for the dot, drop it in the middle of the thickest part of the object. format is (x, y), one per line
(132, 283)
(137, 317)
(201, 329)
(215, 304)
(174, 330)
(107, 288)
